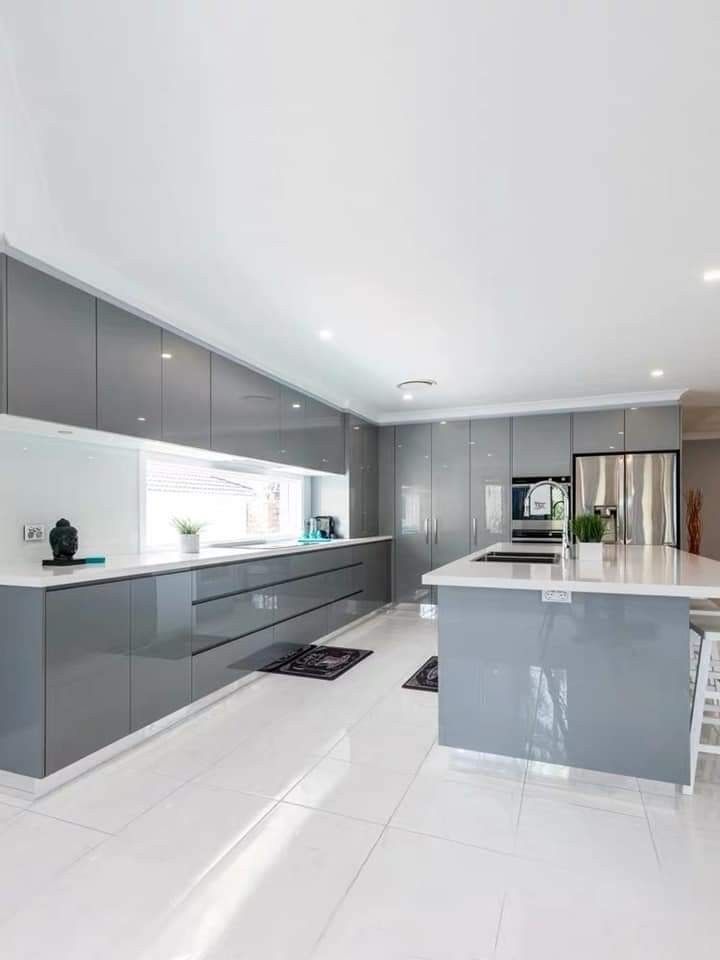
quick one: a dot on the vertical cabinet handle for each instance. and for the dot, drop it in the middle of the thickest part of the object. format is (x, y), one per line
(436, 530)
(427, 529)
(474, 530)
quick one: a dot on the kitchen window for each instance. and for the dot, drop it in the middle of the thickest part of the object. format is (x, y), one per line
(232, 505)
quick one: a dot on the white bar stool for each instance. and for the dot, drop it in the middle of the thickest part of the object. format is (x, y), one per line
(705, 686)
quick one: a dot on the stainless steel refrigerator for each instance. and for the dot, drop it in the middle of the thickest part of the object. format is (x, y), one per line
(637, 493)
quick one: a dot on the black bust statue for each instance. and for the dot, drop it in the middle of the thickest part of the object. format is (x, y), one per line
(63, 540)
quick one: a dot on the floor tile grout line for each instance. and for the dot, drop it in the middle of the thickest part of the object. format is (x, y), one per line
(652, 835)
(72, 823)
(383, 831)
(499, 925)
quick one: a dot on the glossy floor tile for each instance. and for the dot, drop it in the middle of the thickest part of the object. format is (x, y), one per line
(303, 820)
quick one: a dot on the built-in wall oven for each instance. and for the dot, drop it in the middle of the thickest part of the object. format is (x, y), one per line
(541, 517)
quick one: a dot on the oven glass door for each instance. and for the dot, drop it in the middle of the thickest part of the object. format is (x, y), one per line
(540, 517)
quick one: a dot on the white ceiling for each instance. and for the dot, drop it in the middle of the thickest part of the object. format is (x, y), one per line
(517, 199)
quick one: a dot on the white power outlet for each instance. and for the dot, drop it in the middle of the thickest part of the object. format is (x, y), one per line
(556, 596)
(33, 532)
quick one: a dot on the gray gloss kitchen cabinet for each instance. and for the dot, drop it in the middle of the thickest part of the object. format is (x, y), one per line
(51, 344)
(293, 429)
(598, 431)
(245, 411)
(386, 481)
(490, 482)
(185, 392)
(129, 375)
(160, 646)
(541, 445)
(413, 510)
(652, 428)
(362, 447)
(3, 333)
(87, 640)
(324, 437)
(450, 491)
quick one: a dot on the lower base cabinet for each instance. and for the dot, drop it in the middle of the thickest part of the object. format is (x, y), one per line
(87, 692)
(120, 655)
(160, 646)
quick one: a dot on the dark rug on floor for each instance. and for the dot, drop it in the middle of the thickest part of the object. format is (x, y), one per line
(426, 678)
(321, 663)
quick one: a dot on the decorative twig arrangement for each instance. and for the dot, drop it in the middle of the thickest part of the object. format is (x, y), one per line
(694, 502)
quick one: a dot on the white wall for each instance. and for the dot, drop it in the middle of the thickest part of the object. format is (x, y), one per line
(43, 479)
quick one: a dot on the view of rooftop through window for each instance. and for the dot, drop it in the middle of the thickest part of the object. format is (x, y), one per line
(230, 505)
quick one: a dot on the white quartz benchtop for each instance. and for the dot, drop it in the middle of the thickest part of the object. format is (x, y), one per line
(32, 574)
(648, 571)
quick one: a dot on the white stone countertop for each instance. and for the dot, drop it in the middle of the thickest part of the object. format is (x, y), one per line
(32, 574)
(647, 571)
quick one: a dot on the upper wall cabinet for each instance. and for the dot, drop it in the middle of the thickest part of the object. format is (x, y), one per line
(51, 348)
(293, 430)
(325, 436)
(128, 373)
(245, 411)
(598, 431)
(652, 428)
(541, 445)
(185, 392)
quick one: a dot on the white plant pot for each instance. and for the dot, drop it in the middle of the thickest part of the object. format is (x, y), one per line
(590, 553)
(189, 543)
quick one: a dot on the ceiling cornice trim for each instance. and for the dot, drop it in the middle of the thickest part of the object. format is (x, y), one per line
(527, 408)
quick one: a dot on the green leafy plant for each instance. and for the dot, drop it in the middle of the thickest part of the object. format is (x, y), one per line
(185, 525)
(589, 528)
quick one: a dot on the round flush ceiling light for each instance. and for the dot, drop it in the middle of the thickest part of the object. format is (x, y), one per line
(416, 387)
(712, 275)
(657, 373)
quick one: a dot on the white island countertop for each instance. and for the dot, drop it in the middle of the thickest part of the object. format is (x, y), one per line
(645, 571)
(33, 574)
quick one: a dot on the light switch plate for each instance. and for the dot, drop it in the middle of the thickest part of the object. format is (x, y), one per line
(557, 596)
(33, 532)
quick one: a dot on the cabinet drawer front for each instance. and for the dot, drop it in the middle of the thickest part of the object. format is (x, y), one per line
(298, 596)
(214, 669)
(218, 620)
(327, 558)
(343, 612)
(307, 628)
(211, 582)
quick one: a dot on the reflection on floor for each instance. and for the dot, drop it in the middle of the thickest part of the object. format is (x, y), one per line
(305, 819)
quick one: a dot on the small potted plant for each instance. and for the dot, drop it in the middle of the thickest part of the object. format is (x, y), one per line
(189, 532)
(589, 529)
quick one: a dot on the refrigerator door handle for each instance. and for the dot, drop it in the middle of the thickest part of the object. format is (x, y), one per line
(621, 519)
(474, 530)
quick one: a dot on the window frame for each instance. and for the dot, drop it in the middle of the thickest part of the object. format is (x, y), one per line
(192, 462)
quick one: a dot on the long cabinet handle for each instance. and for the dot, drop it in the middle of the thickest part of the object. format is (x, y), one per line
(474, 530)
(436, 530)
(427, 529)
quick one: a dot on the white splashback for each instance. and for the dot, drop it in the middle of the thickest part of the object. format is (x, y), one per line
(95, 486)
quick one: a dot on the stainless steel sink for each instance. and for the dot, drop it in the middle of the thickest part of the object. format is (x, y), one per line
(517, 556)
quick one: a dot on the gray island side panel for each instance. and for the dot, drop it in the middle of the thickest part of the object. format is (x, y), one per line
(22, 680)
(600, 683)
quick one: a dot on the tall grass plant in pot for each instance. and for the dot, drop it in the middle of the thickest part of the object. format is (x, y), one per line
(189, 531)
(589, 529)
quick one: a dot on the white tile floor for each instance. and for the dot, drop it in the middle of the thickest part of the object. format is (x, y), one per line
(305, 820)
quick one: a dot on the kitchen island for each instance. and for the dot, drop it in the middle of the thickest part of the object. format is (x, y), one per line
(571, 662)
